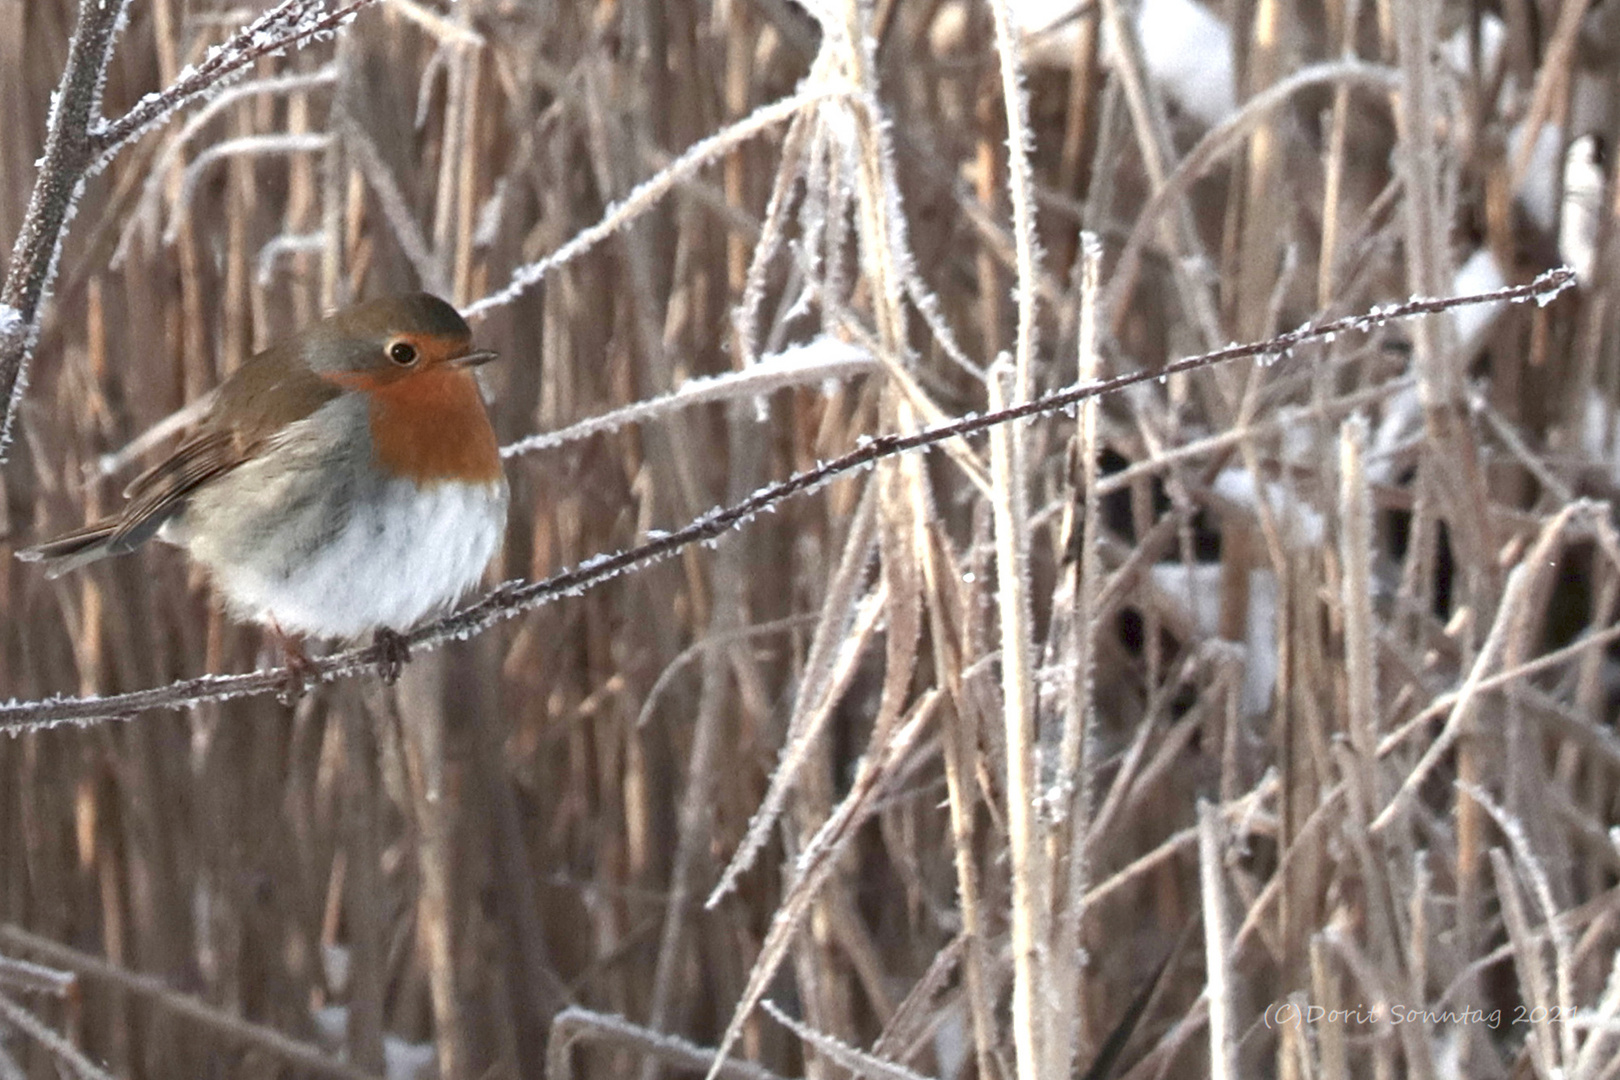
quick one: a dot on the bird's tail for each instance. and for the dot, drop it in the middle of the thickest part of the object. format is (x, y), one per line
(75, 549)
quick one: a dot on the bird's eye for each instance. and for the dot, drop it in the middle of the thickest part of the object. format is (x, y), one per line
(402, 353)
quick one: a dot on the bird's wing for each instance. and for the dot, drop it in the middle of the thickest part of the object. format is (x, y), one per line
(160, 492)
(155, 496)
(255, 406)
(271, 391)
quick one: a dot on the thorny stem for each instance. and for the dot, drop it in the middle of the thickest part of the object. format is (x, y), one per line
(513, 598)
(79, 143)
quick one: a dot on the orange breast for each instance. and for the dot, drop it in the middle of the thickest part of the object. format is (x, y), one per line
(431, 426)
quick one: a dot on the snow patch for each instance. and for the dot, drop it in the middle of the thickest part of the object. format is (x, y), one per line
(1456, 52)
(1401, 422)
(1538, 191)
(1479, 274)
(401, 1060)
(1187, 49)
(1298, 520)
(1198, 588)
(1600, 436)
(1582, 209)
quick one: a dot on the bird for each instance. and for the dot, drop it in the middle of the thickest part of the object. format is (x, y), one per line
(344, 481)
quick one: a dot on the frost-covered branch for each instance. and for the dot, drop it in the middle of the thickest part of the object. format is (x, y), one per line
(145, 217)
(79, 143)
(288, 25)
(58, 1047)
(514, 598)
(823, 360)
(649, 191)
(69, 150)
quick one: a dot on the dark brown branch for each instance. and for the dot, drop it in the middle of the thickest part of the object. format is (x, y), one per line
(513, 598)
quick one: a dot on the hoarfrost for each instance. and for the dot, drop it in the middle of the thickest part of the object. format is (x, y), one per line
(489, 216)
(1457, 52)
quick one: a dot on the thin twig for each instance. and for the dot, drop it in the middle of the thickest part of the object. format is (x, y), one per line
(513, 598)
(228, 1028)
(288, 25)
(14, 1015)
(79, 144)
(63, 167)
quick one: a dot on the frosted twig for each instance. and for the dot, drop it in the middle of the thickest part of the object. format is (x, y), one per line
(1355, 553)
(1071, 796)
(62, 170)
(14, 1015)
(808, 722)
(285, 244)
(1230, 135)
(289, 24)
(873, 776)
(146, 208)
(1032, 1021)
(575, 1025)
(509, 600)
(1595, 641)
(818, 361)
(702, 647)
(1217, 944)
(1019, 189)
(308, 142)
(649, 191)
(1531, 868)
(158, 994)
(772, 235)
(1521, 584)
(34, 978)
(1031, 867)
(78, 143)
(857, 1061)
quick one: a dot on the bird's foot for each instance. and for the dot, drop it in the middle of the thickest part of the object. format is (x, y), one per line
(300, 668)
(395, 653)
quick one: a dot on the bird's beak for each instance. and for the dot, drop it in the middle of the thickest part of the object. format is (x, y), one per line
(475, 358)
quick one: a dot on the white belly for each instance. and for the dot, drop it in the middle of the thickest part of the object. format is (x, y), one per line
(396, 561)
(310, 538)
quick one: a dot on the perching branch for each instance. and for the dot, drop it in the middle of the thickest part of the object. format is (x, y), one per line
(513, 598)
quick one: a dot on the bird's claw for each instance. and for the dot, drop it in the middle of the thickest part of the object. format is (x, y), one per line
(300, 670)
(394, 653)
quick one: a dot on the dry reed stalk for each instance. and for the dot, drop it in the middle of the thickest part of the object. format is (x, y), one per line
(1415, 599)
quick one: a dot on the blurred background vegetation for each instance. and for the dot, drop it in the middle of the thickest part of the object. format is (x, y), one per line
(1403, 740)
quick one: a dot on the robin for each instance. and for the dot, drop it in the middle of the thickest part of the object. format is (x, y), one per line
(345, 481)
